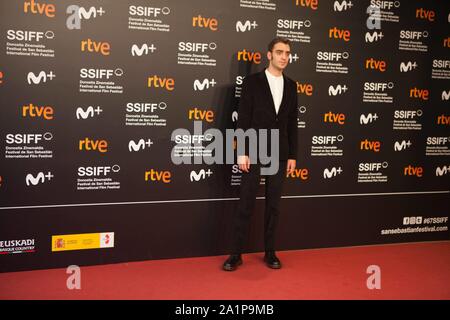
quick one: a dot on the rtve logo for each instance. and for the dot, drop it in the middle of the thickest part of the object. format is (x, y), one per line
(325, 140)
(407, 114)
(305, 88)
(164, 83)
(445, 95)
(437, 141)
(313, 4)
(412, 220)
(301, 174)
(202, 22)
(443, 119)
(413, 35)
(248, 56)
(143, 50)
(93, 145)
(341, 34)
(332, 56)
(145, 106)
(293, 24)
(378, 86)
(447, 41)
(39, 8)
(157, 176)
(90, 112)
(97, 171)
(201, 175)
(77, 13)
(403, 145)
(100, 73)
(32, 111)
(374, 36)
(422, 13)
(385, 4)
(409, 66)
(367, 145)
(197, 114)
(442, 171)
(142, 11)
(25, 35)
(140, 145)
(27, 138)
(334, 118)
(90, 45)
(333, 172)
(338, 90)
(41, 77)
(246, 26)
(372, 166)
(370, 118)
(342, 6)
(419, 93)
(413, 171)
(204, 84)
(39, 178)
(375, 64)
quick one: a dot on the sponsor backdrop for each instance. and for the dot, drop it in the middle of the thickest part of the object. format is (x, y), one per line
(92, 91)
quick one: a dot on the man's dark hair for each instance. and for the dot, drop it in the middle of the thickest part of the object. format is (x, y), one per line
(277, 40)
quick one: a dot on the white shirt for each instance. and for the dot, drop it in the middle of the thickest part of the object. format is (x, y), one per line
(276, 88)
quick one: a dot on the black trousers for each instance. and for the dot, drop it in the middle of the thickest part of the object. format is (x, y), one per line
(249, 187)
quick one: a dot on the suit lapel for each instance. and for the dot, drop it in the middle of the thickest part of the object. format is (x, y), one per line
(285, 94)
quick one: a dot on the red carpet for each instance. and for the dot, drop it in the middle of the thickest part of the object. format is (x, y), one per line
(408, 271)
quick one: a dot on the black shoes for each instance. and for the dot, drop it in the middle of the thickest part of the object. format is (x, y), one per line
(232, 262)
(235, 260)
(271, 260)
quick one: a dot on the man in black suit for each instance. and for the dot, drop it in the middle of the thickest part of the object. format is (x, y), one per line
(268, 101)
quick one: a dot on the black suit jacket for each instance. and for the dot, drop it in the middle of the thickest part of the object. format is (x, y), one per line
(256, 110)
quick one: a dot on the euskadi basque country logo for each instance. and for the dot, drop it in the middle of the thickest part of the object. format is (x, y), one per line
(17, 246)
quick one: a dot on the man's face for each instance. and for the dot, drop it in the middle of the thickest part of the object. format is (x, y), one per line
(279, 56)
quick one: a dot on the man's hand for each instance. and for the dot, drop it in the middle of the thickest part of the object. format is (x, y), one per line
(244, 163)
(291, 163)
